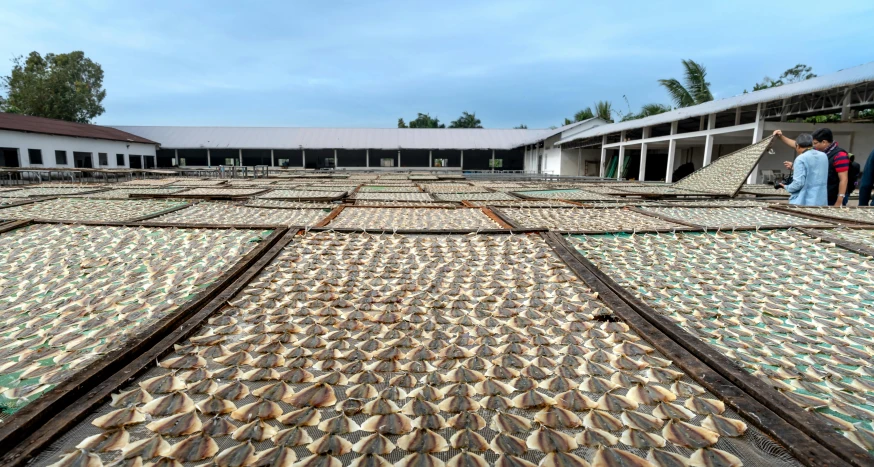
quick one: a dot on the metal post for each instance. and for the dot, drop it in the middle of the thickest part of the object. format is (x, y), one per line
(461, 163)
(399, 157)
(336, 164)
(430, 161)
(208, 158)
(272, 161)
(241, 157)
(367, 157)
(303, 157)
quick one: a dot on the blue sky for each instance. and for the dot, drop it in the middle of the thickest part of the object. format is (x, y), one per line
(364, 64)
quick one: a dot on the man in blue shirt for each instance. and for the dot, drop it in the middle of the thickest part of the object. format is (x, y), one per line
(809, 186)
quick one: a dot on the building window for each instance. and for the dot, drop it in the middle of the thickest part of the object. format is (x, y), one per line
(104, 159)
(387, 162)
(119, 160)
(35, 156)
(61, 157)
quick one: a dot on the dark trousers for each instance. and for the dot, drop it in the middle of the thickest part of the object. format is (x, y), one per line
(867, 182)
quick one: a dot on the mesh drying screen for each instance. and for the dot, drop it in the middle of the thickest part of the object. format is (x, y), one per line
(397, 321)
(793, 310)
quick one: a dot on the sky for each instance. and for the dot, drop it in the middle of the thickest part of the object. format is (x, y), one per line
(365, 64)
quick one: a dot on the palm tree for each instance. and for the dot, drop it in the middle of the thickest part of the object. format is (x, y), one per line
(695, 90)
(604, 110)
(584, 114)
(646, 111)
(466, 120)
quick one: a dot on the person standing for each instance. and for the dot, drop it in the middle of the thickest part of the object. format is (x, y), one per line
(867, 182)
(810, 174)
(852, 178)
(838, 163)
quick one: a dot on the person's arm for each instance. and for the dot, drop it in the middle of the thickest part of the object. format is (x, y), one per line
(842, 188)
(799, 176)
(785, 140)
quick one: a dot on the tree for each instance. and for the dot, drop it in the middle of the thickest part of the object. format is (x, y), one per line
(646, 111)
(63, 86)
(422, 121)
(795, 74)
(521, 127)
(466, 120)
(694, 90)
(604, 111)
(584, 115)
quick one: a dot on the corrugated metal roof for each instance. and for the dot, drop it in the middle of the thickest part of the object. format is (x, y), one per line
(186, 137)
(51, 126)
(849, 76)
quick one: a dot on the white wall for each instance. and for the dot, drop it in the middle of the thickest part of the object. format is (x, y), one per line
(48, 144)
(573, 161)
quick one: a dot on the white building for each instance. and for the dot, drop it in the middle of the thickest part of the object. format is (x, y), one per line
(37, 142)
(651, 148)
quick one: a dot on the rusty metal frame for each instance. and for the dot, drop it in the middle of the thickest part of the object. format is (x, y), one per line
(804, 434)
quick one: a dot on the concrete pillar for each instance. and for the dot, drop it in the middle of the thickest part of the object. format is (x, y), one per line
(461, 163)
(603, 170)
(621, 160)
(241, 157)
(430, 160)
(303, 157)
(367, 157)
(208, 158)
(757, 136)
(272, 160)
(579, 161)
(175, 157)
(672, 152)
(336, 162)
(737, 116)
(708, 142)
(641, 174)
(845, 107)
(399, 157)
(493, 161)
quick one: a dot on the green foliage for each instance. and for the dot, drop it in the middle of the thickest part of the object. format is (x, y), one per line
(694, 90)
(422, 121)
(521, 127)
(795, 74)
(466, 120)
(646, 111)
(584, 114)
(63, 86)
(604, 110)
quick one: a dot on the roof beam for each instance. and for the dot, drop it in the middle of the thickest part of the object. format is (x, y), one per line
(694, 134)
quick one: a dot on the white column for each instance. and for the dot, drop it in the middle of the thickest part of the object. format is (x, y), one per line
(303, 157)
(493, 161)
(672, 152)
(641, 174)
(757, 136)
(461, 163)
(241, 157)
(430, 160)
(175, 156)
(272, 160)
(845, 105)
(399, 157)
(336, 162)
(708, 142)
(603, 170)
(367, 157)
(737, 116)
(579, 161)
(208, 158)
(621, 160)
